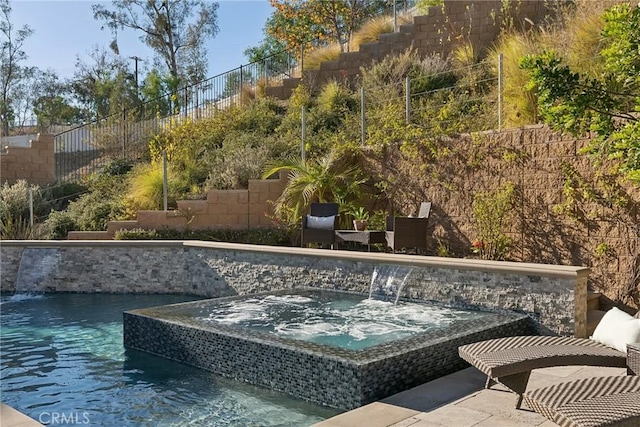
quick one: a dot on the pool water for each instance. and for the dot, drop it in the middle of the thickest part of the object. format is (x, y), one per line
(339, 319)
(63, 363)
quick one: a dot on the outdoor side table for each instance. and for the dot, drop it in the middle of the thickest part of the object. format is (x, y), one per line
(367, 237)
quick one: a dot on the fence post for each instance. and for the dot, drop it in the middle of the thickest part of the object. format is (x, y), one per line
(301, 59)
(304, 133)
(124, 132)
(407, 99)
(31, 206)
(499, 92)
(196, 102)
(395, 17)
(186, 101)
(165, 183)
(266, 73)
(240, 86)
(363, 123)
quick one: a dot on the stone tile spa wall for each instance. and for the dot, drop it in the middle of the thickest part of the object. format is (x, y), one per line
(329, 376)
(553, 295)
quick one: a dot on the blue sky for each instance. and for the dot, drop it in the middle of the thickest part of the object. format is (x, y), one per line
(65, 30)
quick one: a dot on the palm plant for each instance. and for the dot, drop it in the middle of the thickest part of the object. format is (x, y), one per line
(325, 179)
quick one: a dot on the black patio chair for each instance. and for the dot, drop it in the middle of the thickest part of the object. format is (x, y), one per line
(320, 224)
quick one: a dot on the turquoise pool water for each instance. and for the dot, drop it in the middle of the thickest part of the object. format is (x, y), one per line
(342, 320)
(63, 363)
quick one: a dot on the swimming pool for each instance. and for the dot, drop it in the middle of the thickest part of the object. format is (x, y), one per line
(63, 360)
(230, 336)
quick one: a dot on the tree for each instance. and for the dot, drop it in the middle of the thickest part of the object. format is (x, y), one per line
(11, 55)
(607, 104)
(51, 105)
(105, 86)
(298, 23)
(271, 55)
(175, 29)
(154, 92)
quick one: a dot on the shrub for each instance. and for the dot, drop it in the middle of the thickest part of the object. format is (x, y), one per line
(58, 196)
(60, 223)
(15, 215)
(520, 105)
(90, 212)
(233, 169)
(14, 200)
(254, 236)
(317, 56)
(145, 191)
(490, 212)
(371, 30)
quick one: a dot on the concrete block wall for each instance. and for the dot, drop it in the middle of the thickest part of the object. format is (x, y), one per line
(35, 163)
(477, 22)
(532, 158)
(223, 209)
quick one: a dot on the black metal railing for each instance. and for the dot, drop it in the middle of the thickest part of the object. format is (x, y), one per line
(125, 136)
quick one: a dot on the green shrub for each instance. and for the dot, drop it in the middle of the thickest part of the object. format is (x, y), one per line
(58, 196)
(90, 212)
(14, 200)
(490, 212)
(145, 191)
(60, 223)
(254, 236)
(233, 169)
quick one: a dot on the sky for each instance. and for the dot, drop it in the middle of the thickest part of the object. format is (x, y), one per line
(65, 30)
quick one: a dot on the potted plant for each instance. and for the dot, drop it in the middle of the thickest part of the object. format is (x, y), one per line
(360, 218)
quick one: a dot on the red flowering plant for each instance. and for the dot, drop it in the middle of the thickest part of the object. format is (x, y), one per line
(477, 246)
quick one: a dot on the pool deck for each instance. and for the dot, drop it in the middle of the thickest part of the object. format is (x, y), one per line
(460, 400)
(456, 400)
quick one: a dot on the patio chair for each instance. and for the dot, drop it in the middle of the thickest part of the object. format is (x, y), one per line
(407, 233)
(510, 360)
(589, 402)
(320, 224)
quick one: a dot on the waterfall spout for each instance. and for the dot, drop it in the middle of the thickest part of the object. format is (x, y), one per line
(387, 282)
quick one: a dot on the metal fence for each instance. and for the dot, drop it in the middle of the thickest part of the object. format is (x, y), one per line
(124, 136)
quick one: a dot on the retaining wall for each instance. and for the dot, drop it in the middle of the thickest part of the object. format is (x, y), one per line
(34, 163)
(438, 31)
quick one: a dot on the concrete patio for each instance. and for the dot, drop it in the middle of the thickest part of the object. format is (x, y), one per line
(460, 400)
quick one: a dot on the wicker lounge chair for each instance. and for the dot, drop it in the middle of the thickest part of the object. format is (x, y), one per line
(590, 402)
(510, 360)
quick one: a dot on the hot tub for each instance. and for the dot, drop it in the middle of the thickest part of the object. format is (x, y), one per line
(249, 339)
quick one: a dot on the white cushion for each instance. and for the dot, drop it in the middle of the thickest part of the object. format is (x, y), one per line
(616, 329)
(321, 222)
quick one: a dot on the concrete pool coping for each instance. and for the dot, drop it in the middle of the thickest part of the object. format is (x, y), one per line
(456, 400)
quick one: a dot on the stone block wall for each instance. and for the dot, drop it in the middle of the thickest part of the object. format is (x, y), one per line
(477, 22)
(533, 158)
(223, 209)
(553, 295)
(35, 164)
